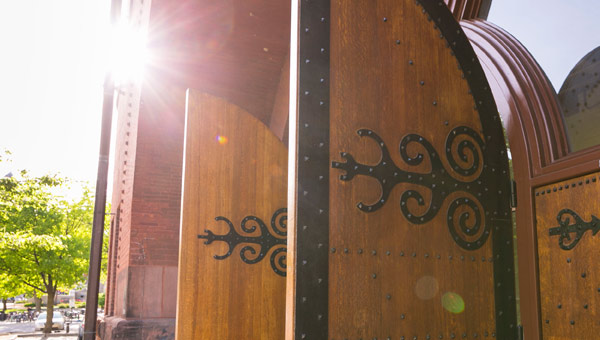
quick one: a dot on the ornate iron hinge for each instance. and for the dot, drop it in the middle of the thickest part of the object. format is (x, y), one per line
(463, 176)
(257, 246)
(579, 227)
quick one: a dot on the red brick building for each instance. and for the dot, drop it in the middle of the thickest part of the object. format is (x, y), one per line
(232, 49)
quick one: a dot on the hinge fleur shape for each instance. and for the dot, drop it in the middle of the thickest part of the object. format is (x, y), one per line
(463, 177)
(579, 227)
(258, 246)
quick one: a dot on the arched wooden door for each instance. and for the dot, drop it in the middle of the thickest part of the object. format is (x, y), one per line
(567, 215)
(400, 190)
(232, 262)
(558, 189)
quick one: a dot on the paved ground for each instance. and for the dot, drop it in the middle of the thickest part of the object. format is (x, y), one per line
(39, 337)
(16, 327)
(22, 330)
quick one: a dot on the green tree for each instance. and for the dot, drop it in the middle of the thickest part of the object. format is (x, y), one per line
(44, 238)
(10, 287)
(101, 300)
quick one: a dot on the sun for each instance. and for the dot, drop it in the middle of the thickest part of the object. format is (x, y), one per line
(129, 54)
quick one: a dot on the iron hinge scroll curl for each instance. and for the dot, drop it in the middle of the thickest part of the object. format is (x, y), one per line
(256, 246)
(466, 225)
(579, 227)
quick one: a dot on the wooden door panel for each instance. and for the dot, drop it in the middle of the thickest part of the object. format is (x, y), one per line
(397, 294)
(232, 262)
(567, 220)
(418, 231)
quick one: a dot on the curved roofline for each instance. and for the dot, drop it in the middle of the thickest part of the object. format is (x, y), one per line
(527, 100)
(469, 9)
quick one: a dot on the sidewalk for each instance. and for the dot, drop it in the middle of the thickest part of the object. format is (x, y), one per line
(38, 337)
(26, 331)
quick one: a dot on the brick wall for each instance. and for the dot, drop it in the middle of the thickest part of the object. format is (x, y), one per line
(142, 282)
(146, 199)
(123, 179)
(146, 205)
(157, 187)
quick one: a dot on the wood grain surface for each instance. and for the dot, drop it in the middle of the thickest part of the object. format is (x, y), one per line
(391, 72)
(569, 279)
(234, 167)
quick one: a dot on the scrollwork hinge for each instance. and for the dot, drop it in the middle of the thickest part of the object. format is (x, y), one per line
(468, 229)
(258, 246)
(579, 227)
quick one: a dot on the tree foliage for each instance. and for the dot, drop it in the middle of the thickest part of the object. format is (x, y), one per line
(10, 287)
(44, 238)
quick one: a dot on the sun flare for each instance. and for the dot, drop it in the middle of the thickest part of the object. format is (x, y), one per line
(128, 53)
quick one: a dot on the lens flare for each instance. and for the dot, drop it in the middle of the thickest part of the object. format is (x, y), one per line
(453, 303)
(426, 287)
(222, 140)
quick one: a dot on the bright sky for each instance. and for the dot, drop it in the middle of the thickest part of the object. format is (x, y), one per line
(51, 75)
(558, 33)
(52, 69)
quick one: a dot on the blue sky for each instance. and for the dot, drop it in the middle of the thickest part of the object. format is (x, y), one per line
(556, 32)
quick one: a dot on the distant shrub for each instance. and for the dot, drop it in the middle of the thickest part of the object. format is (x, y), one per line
(15, 310)
(62, 305)
(80, 304)
(29, 304)
(101, 300)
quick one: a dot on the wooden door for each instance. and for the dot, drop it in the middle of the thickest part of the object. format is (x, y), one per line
(402, 223)
(232, 263)
(567, 221)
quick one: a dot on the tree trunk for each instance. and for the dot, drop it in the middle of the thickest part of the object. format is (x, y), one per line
(49, 308)
(38, 303)
(4, 306)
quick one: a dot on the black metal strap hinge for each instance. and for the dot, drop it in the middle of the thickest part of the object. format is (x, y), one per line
(513, 194)
(520, 330)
